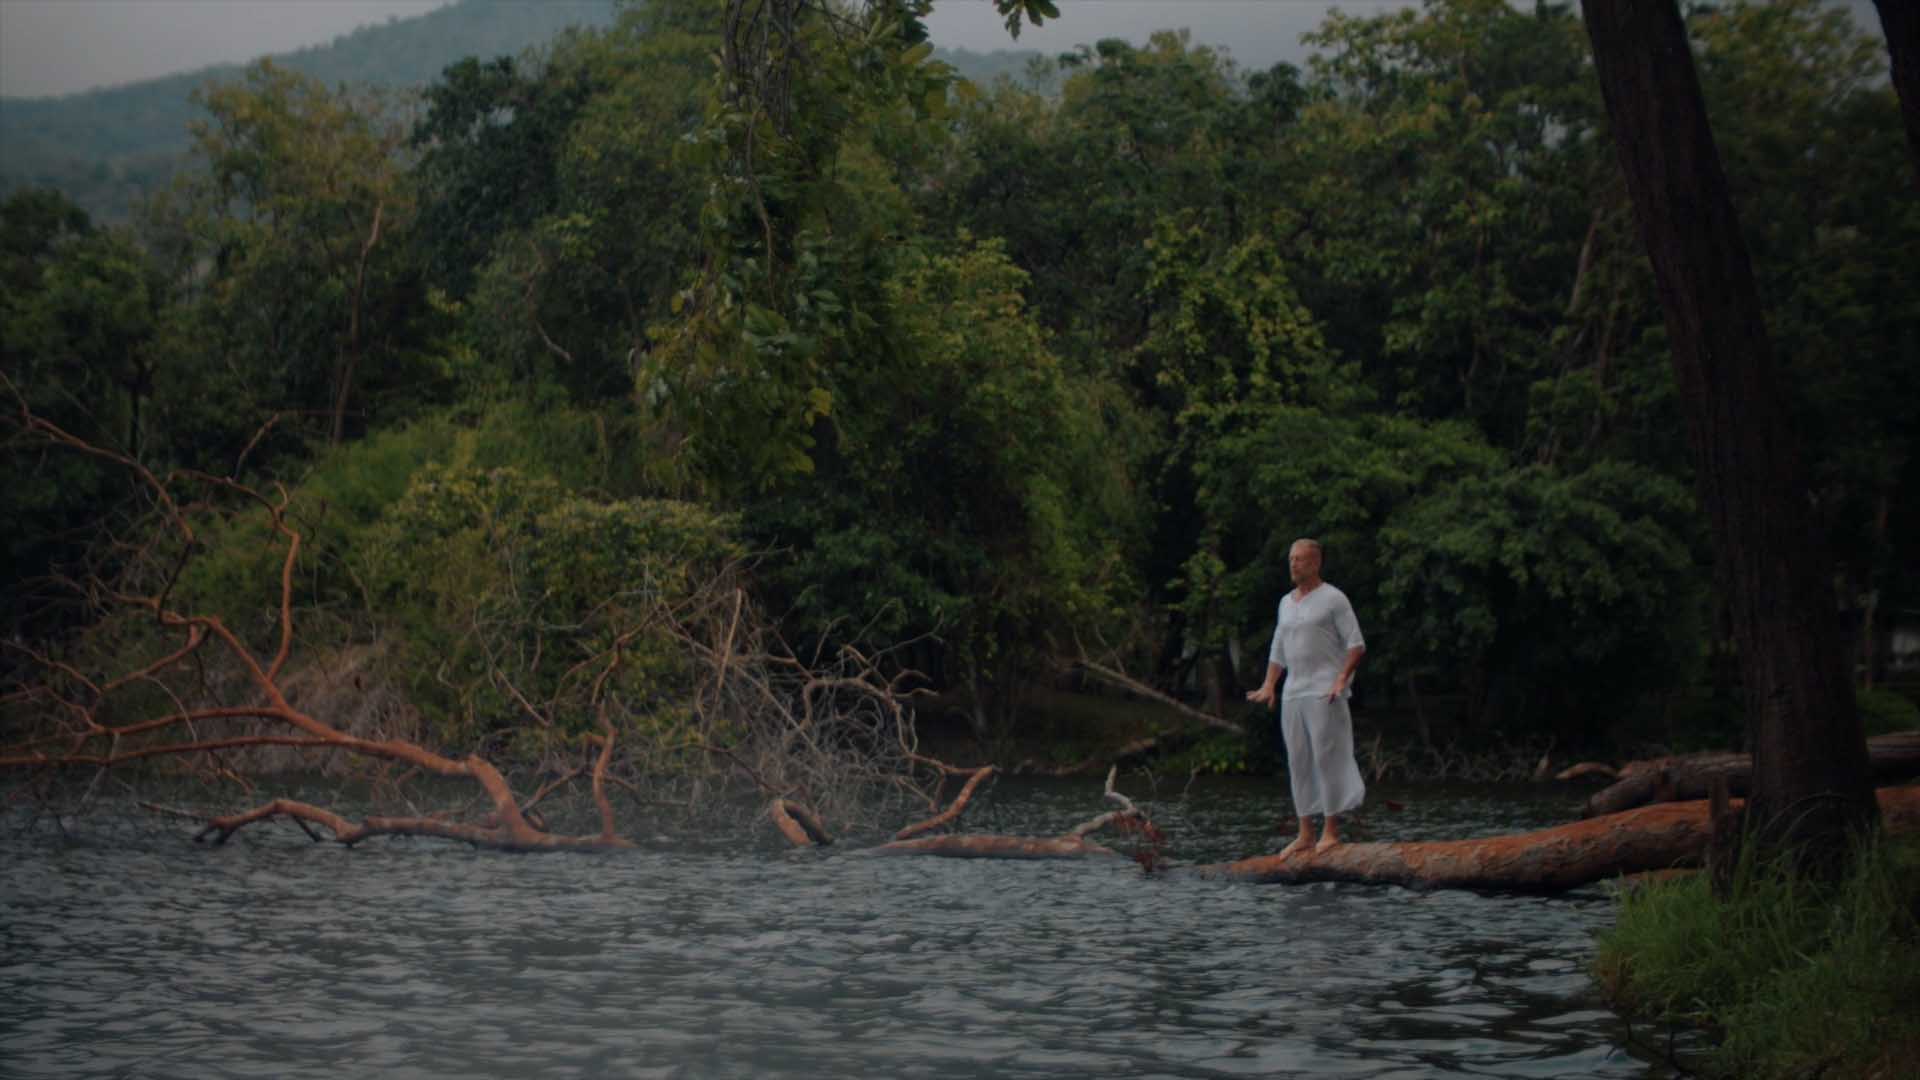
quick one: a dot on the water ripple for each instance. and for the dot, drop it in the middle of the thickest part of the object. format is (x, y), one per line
(275, 958)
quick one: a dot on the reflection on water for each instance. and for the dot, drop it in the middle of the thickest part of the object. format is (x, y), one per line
(137, 954)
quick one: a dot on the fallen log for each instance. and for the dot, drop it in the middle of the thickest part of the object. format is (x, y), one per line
(1651, 838)
(1660, 837)
(1663, 837)
(1892, 759)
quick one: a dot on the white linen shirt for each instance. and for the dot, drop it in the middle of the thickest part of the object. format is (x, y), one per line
(1312, 638)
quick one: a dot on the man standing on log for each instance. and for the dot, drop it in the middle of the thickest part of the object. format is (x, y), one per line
(1317, 644)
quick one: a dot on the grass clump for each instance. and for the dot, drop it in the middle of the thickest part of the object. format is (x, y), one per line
(1796, 978)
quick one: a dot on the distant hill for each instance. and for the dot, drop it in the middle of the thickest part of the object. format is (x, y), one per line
(107, 149)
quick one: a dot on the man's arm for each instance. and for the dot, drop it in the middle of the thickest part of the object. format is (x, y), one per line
(1275, 669)
(1264, 695)
(1341, 680)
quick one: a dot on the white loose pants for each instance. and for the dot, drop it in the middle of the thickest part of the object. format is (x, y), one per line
(1320, 765)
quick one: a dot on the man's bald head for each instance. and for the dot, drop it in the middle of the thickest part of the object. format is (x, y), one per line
(1303, 562)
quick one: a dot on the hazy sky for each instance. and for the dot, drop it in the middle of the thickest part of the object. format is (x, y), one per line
(1257, 32)
(60, 46)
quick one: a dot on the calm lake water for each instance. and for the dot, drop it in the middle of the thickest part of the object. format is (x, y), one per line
(127, 951)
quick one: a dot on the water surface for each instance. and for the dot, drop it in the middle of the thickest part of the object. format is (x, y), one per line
(127, 951)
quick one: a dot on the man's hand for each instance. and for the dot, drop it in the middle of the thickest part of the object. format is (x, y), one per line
(1341, 681)
(1262, 696)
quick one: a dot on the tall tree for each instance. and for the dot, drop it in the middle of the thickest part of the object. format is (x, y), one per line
(303, 190)
(1810, 783)
(1900, 20)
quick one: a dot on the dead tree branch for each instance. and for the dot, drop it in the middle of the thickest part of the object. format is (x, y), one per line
(952, 813)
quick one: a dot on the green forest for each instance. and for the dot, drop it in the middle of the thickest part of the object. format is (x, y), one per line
(988, 383)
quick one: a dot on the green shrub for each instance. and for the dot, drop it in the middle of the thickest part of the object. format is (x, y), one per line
(1797, 977)
(504, 588)
(492, 556)
(350, 488)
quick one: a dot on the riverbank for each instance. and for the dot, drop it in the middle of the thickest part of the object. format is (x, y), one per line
(1791, 979)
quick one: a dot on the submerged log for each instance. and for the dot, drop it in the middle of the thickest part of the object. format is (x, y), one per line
(1129, 819)
(987, 846)
(801, 826)
(503, 837)
(1891, 759)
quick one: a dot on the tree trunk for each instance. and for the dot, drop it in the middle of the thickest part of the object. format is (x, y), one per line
(1891, 759)
(350, 362)
(1810, 786)
(1900, 21)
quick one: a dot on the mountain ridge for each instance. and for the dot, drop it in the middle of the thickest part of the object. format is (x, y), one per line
(109, 147)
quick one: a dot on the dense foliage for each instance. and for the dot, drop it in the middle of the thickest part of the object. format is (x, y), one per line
(996, 377)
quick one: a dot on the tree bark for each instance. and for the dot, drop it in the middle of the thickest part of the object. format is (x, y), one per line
(1891, 759)
(1810, 786)
(1900, 21)
(1653, 838)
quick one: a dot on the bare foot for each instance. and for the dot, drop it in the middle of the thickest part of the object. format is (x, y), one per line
(1326, 843)
(1298, 843)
